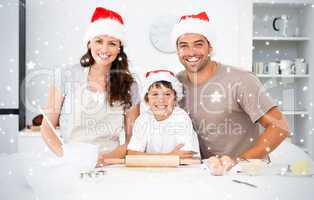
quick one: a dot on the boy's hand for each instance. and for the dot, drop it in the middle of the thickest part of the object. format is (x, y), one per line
(117, 153)
(182, 154)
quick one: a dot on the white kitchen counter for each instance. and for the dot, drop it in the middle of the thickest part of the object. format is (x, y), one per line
(30, 141)
(185, 182)
(119, 182)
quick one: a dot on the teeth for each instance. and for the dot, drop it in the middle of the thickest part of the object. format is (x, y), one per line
(193, 59)
(102, 55)
(161, 107)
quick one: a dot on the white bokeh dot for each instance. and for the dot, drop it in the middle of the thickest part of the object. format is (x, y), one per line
(8, 88)
(305, 88)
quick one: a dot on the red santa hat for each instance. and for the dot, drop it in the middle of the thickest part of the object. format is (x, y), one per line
(105, 22)
(198, 23)
(162, 75)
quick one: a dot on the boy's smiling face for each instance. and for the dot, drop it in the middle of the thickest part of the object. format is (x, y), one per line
(161, 101)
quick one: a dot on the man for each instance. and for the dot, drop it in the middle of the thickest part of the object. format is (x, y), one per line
(226, 104)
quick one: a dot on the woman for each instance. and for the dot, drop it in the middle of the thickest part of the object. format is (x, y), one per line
(98, 101)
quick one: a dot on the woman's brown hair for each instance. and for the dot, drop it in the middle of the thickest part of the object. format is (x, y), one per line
(120, 78)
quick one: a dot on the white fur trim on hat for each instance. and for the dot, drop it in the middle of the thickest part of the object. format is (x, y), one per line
(193, 25)
(162, 76)
(107, 27)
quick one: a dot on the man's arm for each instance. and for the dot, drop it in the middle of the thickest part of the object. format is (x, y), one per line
(276, 130)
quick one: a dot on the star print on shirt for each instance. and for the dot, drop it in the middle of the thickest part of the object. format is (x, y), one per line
(216, 97)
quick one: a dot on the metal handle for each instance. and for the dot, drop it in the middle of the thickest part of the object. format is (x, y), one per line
(274, 23)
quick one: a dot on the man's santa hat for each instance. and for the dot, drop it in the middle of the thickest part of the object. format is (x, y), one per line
(198, 24)
(105, 22)
(162, 75)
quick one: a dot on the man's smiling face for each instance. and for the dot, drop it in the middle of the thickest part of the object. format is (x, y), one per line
(193, 50)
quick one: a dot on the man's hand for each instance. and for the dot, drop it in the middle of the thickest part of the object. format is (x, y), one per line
(182, 154)
(219, 166)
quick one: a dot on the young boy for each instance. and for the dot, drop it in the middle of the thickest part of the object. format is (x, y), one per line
(164, 129)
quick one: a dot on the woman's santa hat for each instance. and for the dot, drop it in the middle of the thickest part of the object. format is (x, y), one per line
(105, 22)
(162, 75)
(198, 23)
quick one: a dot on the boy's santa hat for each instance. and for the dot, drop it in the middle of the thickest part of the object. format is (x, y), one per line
(162, 75)
(105, 22)
(198, 23)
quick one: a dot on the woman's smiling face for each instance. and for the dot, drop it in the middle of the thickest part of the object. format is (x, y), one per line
(104, 49)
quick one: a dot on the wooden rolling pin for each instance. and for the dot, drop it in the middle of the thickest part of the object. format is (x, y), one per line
(190, 161)
(152, 161)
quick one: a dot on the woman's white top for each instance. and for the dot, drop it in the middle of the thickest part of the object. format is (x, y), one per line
(86, 116)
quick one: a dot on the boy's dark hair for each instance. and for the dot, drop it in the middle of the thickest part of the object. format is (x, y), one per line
(158, 84)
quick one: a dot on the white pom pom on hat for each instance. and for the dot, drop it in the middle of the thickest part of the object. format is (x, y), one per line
(105, 22)
(198, 23)
(162, 75)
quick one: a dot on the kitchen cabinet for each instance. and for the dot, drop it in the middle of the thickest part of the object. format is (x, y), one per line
(9, 133)
(12, 57)
(283, 32)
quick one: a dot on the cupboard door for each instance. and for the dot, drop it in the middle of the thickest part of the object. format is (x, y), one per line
(9, 54)
(8, 133)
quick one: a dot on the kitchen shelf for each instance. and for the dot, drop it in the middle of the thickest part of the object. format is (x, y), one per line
(258, 38)
(282, 3)
(295, 112)
(283, 76)
(272, 46)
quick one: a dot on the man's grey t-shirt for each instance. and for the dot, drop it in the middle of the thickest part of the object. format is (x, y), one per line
(225, 109)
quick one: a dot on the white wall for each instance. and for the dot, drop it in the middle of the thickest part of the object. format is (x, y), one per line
(55, 29)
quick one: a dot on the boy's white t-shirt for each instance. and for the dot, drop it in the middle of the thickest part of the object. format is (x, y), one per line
(152, 136)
